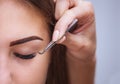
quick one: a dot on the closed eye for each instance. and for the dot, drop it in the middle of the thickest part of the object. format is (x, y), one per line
(29, 56)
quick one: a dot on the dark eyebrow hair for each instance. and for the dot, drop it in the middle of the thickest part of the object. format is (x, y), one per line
(24, 40)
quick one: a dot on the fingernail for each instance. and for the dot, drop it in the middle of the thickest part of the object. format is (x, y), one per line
(55, 35)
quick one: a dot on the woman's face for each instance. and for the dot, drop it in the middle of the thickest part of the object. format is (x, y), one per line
(23, 32)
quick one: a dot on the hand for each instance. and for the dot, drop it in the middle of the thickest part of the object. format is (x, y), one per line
(81, 44)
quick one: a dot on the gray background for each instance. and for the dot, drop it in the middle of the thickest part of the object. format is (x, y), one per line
(108, 41)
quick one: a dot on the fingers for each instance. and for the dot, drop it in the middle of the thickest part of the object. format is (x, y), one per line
(82, 39)
(61, 7)
(62, 25)
(82, 11)
(74, 42)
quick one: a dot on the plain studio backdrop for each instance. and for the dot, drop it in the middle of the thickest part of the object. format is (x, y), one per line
(108, 41)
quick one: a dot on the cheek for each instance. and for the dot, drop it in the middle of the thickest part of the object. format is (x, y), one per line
(31, 71)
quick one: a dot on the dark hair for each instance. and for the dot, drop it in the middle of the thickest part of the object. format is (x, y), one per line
(57, 73)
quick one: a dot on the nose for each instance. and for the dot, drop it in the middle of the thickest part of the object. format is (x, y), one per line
(5, 73)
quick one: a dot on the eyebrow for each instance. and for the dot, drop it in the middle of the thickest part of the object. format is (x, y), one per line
(24, 40)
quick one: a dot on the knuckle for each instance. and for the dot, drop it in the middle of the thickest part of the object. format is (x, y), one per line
(89, 12)
(86, 44)
(89, 4)
(90, 7)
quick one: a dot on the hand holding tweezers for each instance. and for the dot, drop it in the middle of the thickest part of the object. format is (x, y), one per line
(70, 28)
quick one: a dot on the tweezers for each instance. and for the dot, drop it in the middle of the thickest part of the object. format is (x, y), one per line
(70, 28)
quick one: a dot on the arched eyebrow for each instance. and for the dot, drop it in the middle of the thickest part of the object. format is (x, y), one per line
(24, 40)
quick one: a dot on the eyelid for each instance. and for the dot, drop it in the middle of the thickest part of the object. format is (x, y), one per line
(29, 56)
(27, 49)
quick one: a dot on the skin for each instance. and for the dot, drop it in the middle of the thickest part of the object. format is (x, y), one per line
(81, 44)
(18, 22)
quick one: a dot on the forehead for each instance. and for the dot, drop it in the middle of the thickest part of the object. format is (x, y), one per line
(15, 8)
(18, 20)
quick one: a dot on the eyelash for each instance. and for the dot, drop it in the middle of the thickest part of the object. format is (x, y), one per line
(29, 56)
